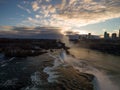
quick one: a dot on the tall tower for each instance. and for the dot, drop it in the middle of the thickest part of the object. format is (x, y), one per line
(119, 33)
(106, 35)
(89, 35)
(114, 35)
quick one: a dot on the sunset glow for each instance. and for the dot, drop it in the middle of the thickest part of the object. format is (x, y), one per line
(82, 16)
(59, 44)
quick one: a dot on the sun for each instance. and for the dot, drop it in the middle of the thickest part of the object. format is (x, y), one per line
(78, 31)
(83, 32)
(74, 32)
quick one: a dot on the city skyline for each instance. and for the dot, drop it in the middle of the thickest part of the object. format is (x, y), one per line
(55, 17)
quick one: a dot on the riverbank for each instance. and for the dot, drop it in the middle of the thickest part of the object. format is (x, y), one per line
(102, 45)
(105, 67)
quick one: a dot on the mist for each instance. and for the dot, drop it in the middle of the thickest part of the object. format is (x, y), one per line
(102, 66)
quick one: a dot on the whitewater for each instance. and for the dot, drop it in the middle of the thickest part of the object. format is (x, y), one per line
(103, 66)
(102, 80)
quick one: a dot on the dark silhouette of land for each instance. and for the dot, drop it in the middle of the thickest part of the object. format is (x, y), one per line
(28, 47)
(34, 47)
(103, 45)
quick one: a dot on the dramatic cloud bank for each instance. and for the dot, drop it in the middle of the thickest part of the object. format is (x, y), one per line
(69, 14)
(31, 32)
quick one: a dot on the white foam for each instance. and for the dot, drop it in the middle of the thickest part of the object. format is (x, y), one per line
(11, 58)
(32, 88)
(36, 81)
(35, 78)
(59, 60)
(52, 74)
(10, 82)
(101, 81)
(63, 56)
(3, 65)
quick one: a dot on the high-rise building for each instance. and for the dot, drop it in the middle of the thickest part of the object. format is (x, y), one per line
(119, 33)
(106, 35)
(114, 36)
(89, 36)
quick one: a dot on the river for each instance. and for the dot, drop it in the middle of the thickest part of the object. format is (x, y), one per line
(104, 66)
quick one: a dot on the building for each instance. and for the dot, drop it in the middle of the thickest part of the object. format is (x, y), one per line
(83, 36)
(73, 37)
(106, 35)
(114, 36)
(89, 36)
(119, 33)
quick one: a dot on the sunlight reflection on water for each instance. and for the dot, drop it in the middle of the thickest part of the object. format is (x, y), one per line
(108, 64)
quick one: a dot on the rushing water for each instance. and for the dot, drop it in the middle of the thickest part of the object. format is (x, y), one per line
(105, 67)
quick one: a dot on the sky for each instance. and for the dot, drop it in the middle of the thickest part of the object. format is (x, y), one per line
(51, 18)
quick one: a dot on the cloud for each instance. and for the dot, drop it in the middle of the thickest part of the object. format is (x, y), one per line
(21, 7)
(6, 28)
(48, 0)
(32, 32)
(37, 16)
(35, 6)
(87, 1)
(23, 28)
(30, 19)
(70, 33)
(71, 14)
(102, 10)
